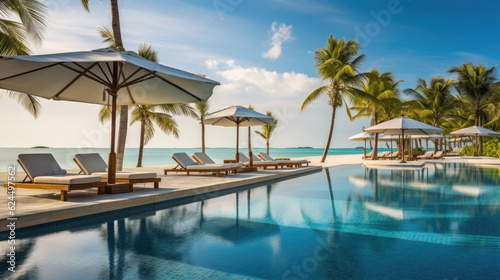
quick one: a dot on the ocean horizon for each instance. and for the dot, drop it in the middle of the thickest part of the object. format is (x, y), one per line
(161, 156)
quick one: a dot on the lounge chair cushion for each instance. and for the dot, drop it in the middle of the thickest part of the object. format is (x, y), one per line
(40, 165)
(256, 158)
(184, 160)
(204, 158)
(258, 163)
(243, 158)
(426, 155)
(298, 161)
(268, 158)
(67, 179)
(208, 166)
(438, 154)
(125, 175)
(91, 163)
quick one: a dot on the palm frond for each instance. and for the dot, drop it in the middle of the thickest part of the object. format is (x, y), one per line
(28, 102)
(107, 35)
(313, 96)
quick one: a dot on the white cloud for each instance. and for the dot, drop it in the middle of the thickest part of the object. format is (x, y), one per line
(257, 81)
(281, 34)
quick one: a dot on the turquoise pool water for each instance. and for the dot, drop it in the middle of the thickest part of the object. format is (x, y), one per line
(442, 222)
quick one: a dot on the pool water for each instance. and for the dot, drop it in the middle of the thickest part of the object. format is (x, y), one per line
(348, 222)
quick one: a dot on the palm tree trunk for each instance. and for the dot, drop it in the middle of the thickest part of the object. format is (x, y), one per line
(202, 136)
(115, 24)
(479, 122)
(122, 137)
(375, 140)
(122, 134)
(267, 144)
(375, 147)
(141, 143)
(330, 134)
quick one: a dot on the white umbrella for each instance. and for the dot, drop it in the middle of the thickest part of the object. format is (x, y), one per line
(363, 136)
(238, 116)
(475, 131)
(402, 125)
(101, 76)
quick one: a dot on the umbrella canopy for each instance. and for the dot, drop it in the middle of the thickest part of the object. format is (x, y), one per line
(236, 116)
(101, 76)
(363, 136)
(460, 139)
(475, 131)
(427, 137)
(83, 76)
(409, 126)
(388, 138)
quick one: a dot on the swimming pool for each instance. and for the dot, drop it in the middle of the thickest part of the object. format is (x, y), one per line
(441, 222)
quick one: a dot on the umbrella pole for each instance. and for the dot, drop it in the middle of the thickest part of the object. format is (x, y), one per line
(112, 154)
(237, 141)
(250, 155)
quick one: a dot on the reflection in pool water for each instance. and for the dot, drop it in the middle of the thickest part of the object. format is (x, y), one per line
(441, 222)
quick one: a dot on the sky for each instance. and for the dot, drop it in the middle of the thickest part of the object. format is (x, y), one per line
(262, 54)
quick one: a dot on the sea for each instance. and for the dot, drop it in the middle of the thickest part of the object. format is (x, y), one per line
(159, 156)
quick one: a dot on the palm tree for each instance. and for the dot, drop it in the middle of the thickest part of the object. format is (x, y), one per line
(161, 116)
(118, 44)
(377, 99)
(267, 130)
(339, 65)
(477, 90)
(202, 108)
(432, 103)
(16, 35)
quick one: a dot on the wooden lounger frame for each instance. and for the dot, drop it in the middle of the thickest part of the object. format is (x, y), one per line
(63, 188)
(130, 182)
(187, 171)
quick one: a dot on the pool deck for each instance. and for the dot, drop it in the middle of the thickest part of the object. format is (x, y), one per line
(35, 207)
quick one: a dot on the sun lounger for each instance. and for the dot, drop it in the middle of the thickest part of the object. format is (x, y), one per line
(383, 155)
(296, 163)
(203, 158)
(258, 163)
(45, 173)
(455, 152)
(438, 155)
(394, 155)
(427, 155)
(188, 165)
(94, 164)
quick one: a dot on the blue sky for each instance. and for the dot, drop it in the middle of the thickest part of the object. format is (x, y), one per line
(261, 52)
